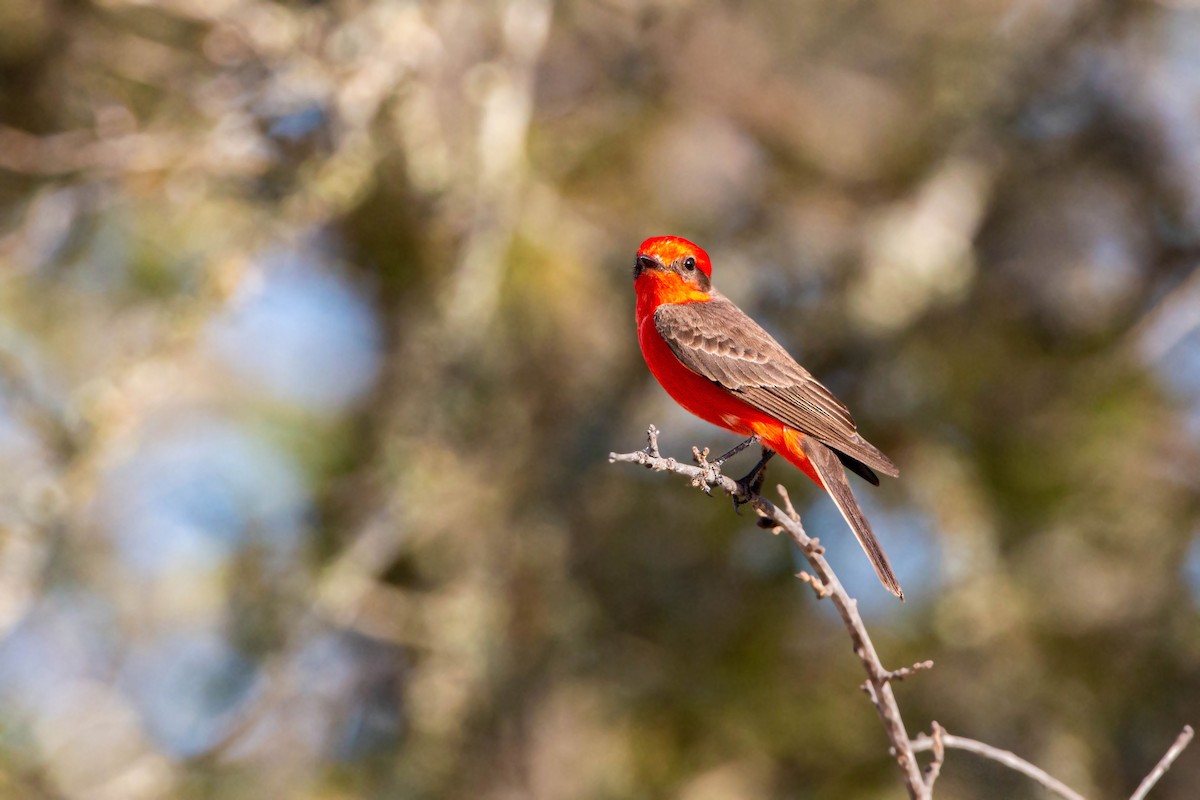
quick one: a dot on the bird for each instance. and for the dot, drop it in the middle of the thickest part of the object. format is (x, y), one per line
(719, 364)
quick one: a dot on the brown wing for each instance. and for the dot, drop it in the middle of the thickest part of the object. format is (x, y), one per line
(717, 340)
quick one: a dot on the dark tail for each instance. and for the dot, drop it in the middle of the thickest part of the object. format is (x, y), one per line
(829, 468)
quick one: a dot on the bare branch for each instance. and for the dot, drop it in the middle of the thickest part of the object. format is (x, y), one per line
(904, 672)
(939, 756)
(1010, 760)
(652, 441)
(787, 502)
(878, 678)
(878, 688)
(821, 589)
(1164, 764)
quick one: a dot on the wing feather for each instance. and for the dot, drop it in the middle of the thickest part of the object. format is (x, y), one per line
(718, 341)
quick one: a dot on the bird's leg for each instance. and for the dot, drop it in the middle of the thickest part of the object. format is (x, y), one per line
(737, 449)
(713, 468)
(752, 483)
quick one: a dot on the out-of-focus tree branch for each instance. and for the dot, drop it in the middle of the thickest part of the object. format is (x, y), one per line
(507, 108)
(1181, 741)
(941, 740)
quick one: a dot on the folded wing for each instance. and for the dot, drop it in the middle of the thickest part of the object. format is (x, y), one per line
(718, 341)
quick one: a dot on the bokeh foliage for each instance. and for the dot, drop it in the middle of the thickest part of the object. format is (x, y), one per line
(317, 329)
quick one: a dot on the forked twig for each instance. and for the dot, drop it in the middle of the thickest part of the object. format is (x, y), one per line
(1008, 759)
(939, 757)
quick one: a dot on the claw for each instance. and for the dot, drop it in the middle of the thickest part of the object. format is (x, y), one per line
(752, 483)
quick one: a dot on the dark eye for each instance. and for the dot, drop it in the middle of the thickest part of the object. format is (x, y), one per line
(689, 263)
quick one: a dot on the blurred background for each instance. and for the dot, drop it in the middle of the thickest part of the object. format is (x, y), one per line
(316, 330)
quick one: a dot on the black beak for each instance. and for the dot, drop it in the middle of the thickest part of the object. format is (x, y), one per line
(644, 263)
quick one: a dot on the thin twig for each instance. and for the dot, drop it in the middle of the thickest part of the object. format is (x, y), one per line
(904, 672)
(939, 756)
(821, 589)
(1010, 760)
(1164, 764)
(878, 678)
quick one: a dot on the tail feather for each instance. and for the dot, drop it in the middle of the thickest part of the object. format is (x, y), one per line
(828, 467)
(858, 468)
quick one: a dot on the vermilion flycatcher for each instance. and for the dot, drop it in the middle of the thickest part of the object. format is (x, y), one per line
(723, 367)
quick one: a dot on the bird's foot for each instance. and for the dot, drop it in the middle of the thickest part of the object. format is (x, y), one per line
(751, 484)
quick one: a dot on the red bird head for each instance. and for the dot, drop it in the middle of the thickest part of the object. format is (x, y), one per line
(666, 251)
(670, 269)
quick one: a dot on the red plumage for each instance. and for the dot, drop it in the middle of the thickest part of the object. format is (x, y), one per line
(723, 367)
